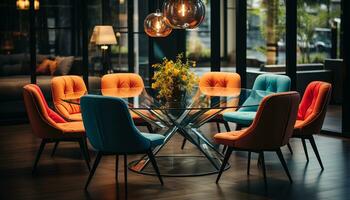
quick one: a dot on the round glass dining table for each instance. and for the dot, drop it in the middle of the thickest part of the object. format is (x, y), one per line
(183, 118)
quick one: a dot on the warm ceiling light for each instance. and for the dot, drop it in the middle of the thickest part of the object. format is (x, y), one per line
(155, 25)
(25, 4)
(184, 14)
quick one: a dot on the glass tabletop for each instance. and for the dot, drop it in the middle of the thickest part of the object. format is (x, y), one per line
(183, 115)
(201, 98)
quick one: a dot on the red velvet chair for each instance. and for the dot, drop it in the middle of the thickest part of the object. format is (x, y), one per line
(271, 129)
(49, 126)
(311, 114)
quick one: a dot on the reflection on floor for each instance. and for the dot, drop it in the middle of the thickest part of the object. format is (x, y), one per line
(63, 176)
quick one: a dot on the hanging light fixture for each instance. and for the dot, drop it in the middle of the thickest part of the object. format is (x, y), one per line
(25, 4)
(155, 24)
(184, 14)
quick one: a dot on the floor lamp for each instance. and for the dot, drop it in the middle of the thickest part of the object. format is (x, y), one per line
(104, 37)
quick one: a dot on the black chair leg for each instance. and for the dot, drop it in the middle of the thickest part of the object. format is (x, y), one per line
(227, 126)
(259, 161)
(224, 149)
(126, 176)
(155, 166)
(54, 148)
(314, 147)
(84, 152)
(262, 159)
(290, 148)
(149, 128)
(183, 143)
(116, 167)
(227, 157)
(305, 149)
(86, 149)
(218, 127)
(248, 167)
(284, 164)
(40, 151)
(94, 167)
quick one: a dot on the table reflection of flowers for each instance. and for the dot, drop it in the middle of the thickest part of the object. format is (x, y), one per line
(173, 79)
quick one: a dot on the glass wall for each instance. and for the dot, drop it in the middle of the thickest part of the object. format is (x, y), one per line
(115, 13)
(265, 33)
(112, 13)
(55, 42)
(317, 49)
(141, 40)
(198, 43)
(315, 22)
(228, 36)
(14, 59)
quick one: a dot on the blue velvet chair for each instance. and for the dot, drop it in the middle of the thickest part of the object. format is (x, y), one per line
(111, 131)
(265, 82)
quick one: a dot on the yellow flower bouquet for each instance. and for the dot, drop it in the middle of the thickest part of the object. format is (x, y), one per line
(173, 79)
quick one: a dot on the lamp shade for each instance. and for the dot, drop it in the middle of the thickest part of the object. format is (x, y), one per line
(103, 35)
(155, 25)
(184, 14)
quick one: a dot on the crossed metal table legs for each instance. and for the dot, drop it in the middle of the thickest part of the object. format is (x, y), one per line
(183, 165)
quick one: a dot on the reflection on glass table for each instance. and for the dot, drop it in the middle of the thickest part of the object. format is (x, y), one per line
(183, 118)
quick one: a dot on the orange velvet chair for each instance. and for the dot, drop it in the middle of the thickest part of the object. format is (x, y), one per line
(218, 80)
(49, 126)
(127, 81)
(311, 114)
(64, 87)
(270, 130)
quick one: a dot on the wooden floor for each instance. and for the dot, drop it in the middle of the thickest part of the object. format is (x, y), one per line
(63, 176)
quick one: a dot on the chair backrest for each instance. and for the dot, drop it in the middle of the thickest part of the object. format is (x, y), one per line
(220, 79)
(109, 126)
(313, 106)
(42, 118)
(266, 82)
(112, 82)
(273, 124)
(121, 80)
(64, 87)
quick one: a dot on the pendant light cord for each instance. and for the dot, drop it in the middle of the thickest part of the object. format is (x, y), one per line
(158, 9)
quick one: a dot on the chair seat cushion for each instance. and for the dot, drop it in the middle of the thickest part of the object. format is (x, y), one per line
(228, 138)
(72, 128)
(298, 128)
(75, 117)
(156, 139)
(244, 118)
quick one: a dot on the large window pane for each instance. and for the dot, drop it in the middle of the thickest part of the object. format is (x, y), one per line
(317, 37)
(14, 59)
(266, 32)
(198, 42)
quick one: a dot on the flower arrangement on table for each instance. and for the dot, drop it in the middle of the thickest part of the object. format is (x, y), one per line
(173, 79)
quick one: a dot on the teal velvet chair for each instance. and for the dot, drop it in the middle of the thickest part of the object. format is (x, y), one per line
(265, 82)
(111, 131)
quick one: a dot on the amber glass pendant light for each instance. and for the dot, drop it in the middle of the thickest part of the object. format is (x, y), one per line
(155, 25)
(184, 14)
